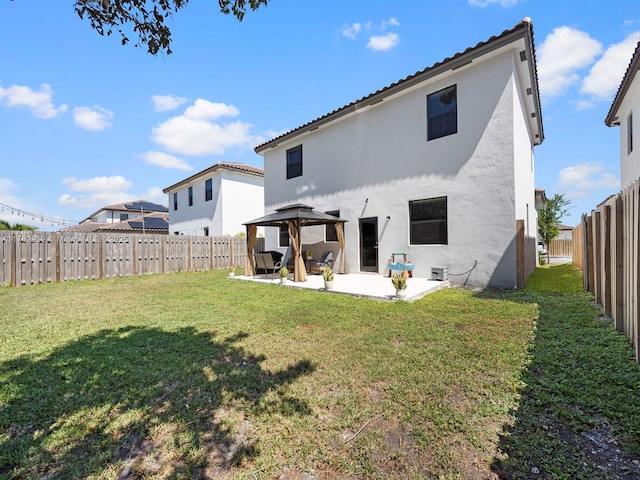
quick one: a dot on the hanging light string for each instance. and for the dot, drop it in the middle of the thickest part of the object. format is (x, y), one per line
(36, 217)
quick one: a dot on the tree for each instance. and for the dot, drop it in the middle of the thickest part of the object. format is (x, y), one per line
(549, 217)
(147, 18)
(4, 225)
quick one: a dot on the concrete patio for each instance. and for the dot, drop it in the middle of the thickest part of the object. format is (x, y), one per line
(368, 285)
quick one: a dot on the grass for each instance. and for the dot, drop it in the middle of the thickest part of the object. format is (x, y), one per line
(198, 376)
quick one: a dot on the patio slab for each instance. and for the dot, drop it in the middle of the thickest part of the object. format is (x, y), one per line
(367, 285)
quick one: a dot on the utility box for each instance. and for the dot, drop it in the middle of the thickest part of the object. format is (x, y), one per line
(439, 273)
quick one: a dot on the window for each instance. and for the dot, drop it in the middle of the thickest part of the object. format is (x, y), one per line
(294, 162)
(190, 196)
(630, 133)
(208, 190)
(330, 234)
(124, 216)
(284, 236)
(175, 201)
(442, 113)
(428, 221)
(206, 231)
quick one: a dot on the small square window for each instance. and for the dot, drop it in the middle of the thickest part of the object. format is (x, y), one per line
(206, 231)
(294, 162)
(124, 216)
(428, 221)
(442, 113)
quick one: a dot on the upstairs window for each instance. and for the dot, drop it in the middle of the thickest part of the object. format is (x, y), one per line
(175, 201)
(208, 190)
(124, 216)
(330, 234)
(428, 221)
(630, 133)
(442, 113)
(284, 236)
(190, 196)
(294, 162)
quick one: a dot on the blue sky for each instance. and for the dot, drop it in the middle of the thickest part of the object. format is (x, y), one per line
(87, 122)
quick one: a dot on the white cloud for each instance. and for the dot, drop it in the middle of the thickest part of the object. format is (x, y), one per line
(196, 133)
(101, 191)
(155, 194)
(383, 42)
(484, 3)
(350, 31)
(562, 53)
(579, 180)
(39, 102)
(605, 76)
(93, 119)
(164, 160)
(392, 22)
(163, 103)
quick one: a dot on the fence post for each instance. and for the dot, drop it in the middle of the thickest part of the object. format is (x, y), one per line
(618, 304)
(606, 280)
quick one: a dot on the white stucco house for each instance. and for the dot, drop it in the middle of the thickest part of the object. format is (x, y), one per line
(438, 165)
(216, 201)
(124, 211)
(625, 103)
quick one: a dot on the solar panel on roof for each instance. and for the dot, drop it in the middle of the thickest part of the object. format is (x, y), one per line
(152, 223)
(146, 206)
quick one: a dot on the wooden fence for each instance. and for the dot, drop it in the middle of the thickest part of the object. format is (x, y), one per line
(28, 258)
(610, 238)
(561, 247)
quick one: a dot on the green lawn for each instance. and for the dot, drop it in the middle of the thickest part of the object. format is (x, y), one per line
(198, 376)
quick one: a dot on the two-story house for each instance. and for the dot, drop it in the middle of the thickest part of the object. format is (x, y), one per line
(124, 211)
(438, 165)
(626, 101)
(216, 201)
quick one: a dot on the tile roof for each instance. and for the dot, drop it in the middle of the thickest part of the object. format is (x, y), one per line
(155, 222)
(627, 80)
(134, 205)
(230, 166)
(524, 29)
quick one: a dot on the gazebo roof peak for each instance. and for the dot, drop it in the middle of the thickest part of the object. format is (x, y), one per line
(295, 206)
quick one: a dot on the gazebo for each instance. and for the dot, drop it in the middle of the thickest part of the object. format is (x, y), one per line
(294, 217)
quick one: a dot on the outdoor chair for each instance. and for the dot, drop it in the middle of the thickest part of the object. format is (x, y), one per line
(264, 261)
(326, 261)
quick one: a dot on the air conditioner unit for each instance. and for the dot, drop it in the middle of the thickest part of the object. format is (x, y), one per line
(439, 273)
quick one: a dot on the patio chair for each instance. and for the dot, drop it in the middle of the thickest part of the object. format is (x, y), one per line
(270, 267)
(326, 261)
(260, 265)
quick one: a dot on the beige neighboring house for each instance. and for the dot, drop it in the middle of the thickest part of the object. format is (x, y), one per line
(621, 113)
(139, 216)
(216, 201)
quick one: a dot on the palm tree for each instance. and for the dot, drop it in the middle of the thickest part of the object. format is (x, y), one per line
(4, 225)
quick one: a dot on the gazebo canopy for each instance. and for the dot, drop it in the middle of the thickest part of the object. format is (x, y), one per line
(304, 214)
(295, 217)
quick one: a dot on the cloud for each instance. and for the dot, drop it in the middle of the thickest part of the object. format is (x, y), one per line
(383, 42)
(93, 119)
(502, 3)
(392, 22)
(155, 194)
(606, 74)
(164, 160)
(563, 52)
(196, 131)
(579, 180)
(351, 31)
(163, 103)
(39, 102)
(101, 191)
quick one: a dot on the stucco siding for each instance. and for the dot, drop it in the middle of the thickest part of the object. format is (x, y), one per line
(630, 162)
(373, 163)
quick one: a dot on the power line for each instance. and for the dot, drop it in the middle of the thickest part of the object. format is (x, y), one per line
(37, 216)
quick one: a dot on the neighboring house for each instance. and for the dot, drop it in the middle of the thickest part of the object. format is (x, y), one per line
(124, 211)
(151, 223)
(216, 201)
(438, 165)
(566, 232)
(621, 113)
